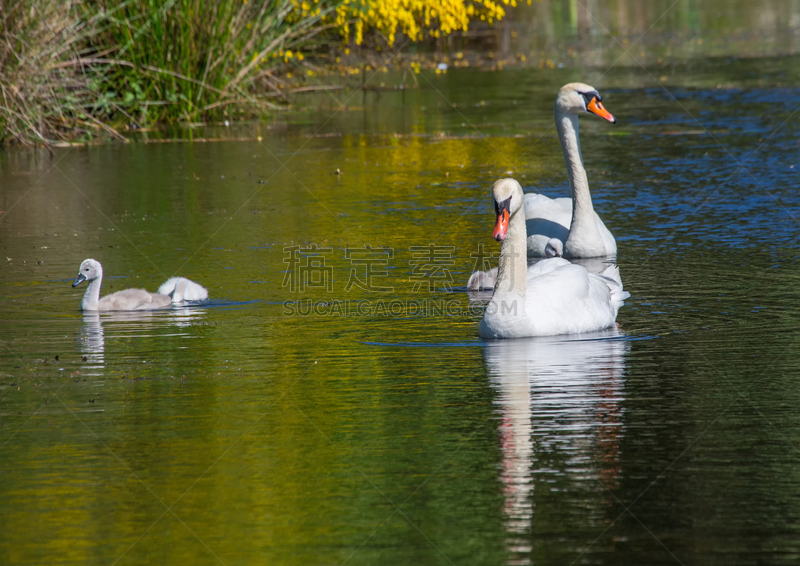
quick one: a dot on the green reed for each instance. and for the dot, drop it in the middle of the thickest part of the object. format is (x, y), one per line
(42, 94)
(80, 68)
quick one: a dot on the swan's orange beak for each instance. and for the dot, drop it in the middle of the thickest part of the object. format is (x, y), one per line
(596, 107)
(501, 227)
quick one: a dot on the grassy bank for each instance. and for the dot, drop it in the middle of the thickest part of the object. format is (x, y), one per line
(82, 69)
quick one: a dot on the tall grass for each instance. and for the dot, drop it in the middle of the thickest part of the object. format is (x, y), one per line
(85, 67)
(42, 94)
(194, 59)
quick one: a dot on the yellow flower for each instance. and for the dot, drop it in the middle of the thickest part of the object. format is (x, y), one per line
(412, 17)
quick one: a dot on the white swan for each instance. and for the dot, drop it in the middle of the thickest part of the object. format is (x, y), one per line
(182, 289)
(551, 297)
(127, 300)
(573, 221)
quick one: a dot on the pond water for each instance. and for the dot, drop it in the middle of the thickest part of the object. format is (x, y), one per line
(332, 403)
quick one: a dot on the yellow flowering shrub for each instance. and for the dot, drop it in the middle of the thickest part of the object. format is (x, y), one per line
(415, 18)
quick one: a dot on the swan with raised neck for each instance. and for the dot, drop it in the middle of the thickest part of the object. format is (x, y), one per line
(574, 220)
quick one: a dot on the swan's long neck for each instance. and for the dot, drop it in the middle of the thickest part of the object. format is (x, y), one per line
(92, 296)
(512, 268)
(582, 210)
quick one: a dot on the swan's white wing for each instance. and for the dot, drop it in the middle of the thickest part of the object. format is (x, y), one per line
(567, 299)
(606, 235)
(546, 218)
(545, 266)
(168, 286)
(188, 289)
(559, 284)
(133, 299)
(539, 206)
(611, 278)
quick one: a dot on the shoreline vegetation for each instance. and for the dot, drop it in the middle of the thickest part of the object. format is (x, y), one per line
(82, 69)
(90, 71)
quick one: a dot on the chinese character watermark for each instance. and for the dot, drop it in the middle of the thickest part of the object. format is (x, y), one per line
(430, 265)
(369, 258)
(307, 268)
(482, 258)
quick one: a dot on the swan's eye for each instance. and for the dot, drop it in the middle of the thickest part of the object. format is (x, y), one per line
(588, 96)
(501, 206)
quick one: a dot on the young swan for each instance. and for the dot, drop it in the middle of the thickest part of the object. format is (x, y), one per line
(571, 220)
(482, 280)
(127, 300)
(554, 248)
(551, 297)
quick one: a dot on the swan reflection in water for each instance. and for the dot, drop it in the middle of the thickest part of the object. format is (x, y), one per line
(557, 396)
(125, 324)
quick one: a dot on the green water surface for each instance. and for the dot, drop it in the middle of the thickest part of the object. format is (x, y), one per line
(349, 418)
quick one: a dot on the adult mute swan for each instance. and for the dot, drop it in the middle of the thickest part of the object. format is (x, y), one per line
(551, 297)
(573, 221)
(129, 299)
